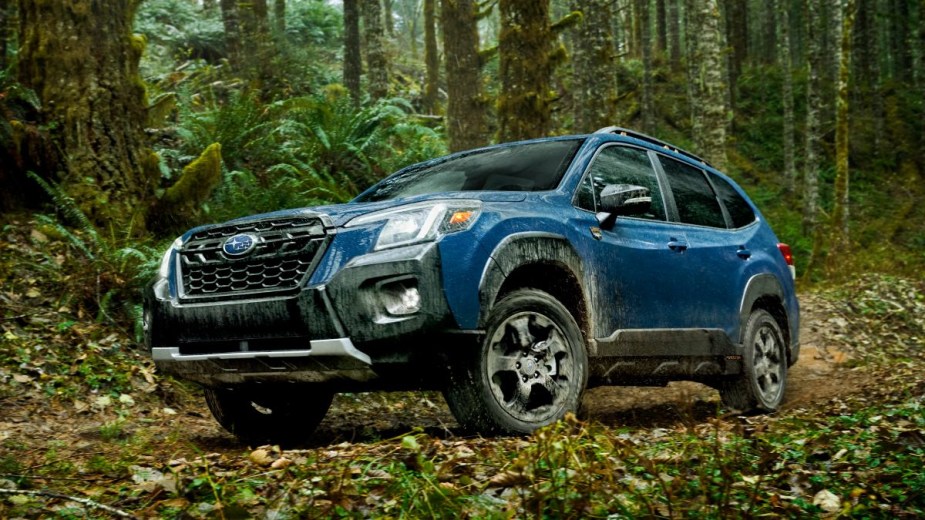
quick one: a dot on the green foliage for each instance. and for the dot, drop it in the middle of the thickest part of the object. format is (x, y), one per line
(109, 271)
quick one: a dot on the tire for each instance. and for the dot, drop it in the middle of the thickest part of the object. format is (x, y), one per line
(763, 383)
(529, 371)
(275, 415)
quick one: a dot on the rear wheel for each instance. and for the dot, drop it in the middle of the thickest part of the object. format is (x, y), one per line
(761, 387)
(529, 371)
(275, 415)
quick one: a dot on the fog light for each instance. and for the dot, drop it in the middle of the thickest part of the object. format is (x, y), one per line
(401, 298)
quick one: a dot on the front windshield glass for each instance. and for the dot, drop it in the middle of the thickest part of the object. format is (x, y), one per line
(537, 166)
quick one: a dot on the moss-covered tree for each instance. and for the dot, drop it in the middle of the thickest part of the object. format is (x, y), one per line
(785, 59)
(431, 57)
(465, 111)
(646, 105)
(839, 230)
(811, 161)
(81, 58)
(232, 25)
(353, 64)
(707, 74)
(593, 59)
(526, 67)
(377, 73)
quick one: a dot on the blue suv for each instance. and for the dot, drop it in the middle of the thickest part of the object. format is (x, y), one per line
(510, 277)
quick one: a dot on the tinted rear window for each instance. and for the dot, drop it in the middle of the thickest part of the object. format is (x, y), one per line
(697, 204)
(738, 208)
(522, 167)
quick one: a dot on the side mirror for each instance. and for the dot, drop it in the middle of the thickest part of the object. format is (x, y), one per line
(623, 199)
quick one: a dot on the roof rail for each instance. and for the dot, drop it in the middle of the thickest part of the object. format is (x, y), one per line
(651, 140)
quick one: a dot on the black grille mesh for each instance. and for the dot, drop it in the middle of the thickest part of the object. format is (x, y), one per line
(285, 253)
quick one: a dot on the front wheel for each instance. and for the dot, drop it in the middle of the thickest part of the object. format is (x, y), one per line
(529, 371)
(274, 415)
(761, 387)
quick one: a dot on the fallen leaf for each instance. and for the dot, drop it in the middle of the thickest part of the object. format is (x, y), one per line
(827, 501)
(261, 457)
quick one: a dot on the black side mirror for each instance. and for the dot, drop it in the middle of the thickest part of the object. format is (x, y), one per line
(622, 199)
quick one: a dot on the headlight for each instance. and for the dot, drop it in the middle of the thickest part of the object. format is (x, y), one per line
(421, 222)
(164, 270)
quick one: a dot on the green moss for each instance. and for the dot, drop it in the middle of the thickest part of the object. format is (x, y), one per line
(198, 179)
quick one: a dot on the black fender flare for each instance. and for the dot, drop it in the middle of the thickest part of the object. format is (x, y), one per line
(759, 286)
(525, 249)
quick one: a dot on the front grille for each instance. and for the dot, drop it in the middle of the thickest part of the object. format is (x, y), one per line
(285, 254)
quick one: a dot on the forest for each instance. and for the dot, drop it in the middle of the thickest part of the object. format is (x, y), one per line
(125, 122)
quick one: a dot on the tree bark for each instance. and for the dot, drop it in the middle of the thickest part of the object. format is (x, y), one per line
(737, 34)
(377, 73)
(840, 236)
(661, 28)
(674, 34)
(279, 16)
(708, 73)
(526, 37)
(593, 59)
(465, 113)
(813, 127)
(353, 67)
(232, 24)
(6, 30)
(646, 106)
(84, 67)
(431, 57)
(786, 64)
(257, 52)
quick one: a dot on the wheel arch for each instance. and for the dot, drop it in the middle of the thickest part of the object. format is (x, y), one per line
(765, 292)
(542, 261)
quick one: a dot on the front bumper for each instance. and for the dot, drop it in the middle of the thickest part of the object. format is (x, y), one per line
(347, 330)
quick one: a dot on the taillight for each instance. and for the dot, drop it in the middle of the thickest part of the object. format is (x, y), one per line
(788, 257)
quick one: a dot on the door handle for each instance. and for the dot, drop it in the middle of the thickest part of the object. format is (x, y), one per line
(677, 245)
(744, 253)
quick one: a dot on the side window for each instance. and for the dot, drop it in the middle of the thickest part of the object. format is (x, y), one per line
(737, 207)
(620, 165)
(697, 204)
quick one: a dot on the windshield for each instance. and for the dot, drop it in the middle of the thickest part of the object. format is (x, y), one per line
(536, 166)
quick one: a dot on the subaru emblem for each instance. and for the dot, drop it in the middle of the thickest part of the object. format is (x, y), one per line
(239, 245)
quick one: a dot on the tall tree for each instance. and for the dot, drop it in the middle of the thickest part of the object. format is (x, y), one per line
(661, 27)
(526, 68)
(84, 68)
(255, 29)
(786, 64)
(465, 111)
(7, 9)
(840, 211)
(674, 34)
(900, 44)
(708, 75)
(374, 39)
(593, 59)
(387, 19)
(232, 24)
(279, 16)
(353, 67)
(813, 130)
(646, 107)
(431, 57)
(737, 35)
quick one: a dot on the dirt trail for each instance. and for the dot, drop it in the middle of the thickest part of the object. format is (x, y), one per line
(819, 375)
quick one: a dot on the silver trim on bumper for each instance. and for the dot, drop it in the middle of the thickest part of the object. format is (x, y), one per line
(321, 347)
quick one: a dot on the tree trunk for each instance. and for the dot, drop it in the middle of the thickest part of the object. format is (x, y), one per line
(661, 28)
(694, 85)
(674, 34)
(232, 24)
(84, 68)
(713, 89)
(737, 34)
(593, 59)
(387, 18)
(900, 49)
(786, 65)
(526, 68)
(840, 236)
(813, 130)
(6, 30)
(646, 107)
(257, 52)
(353, 67)
(279, 16)
(465, 112)
(431, 57)
(376, 65)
